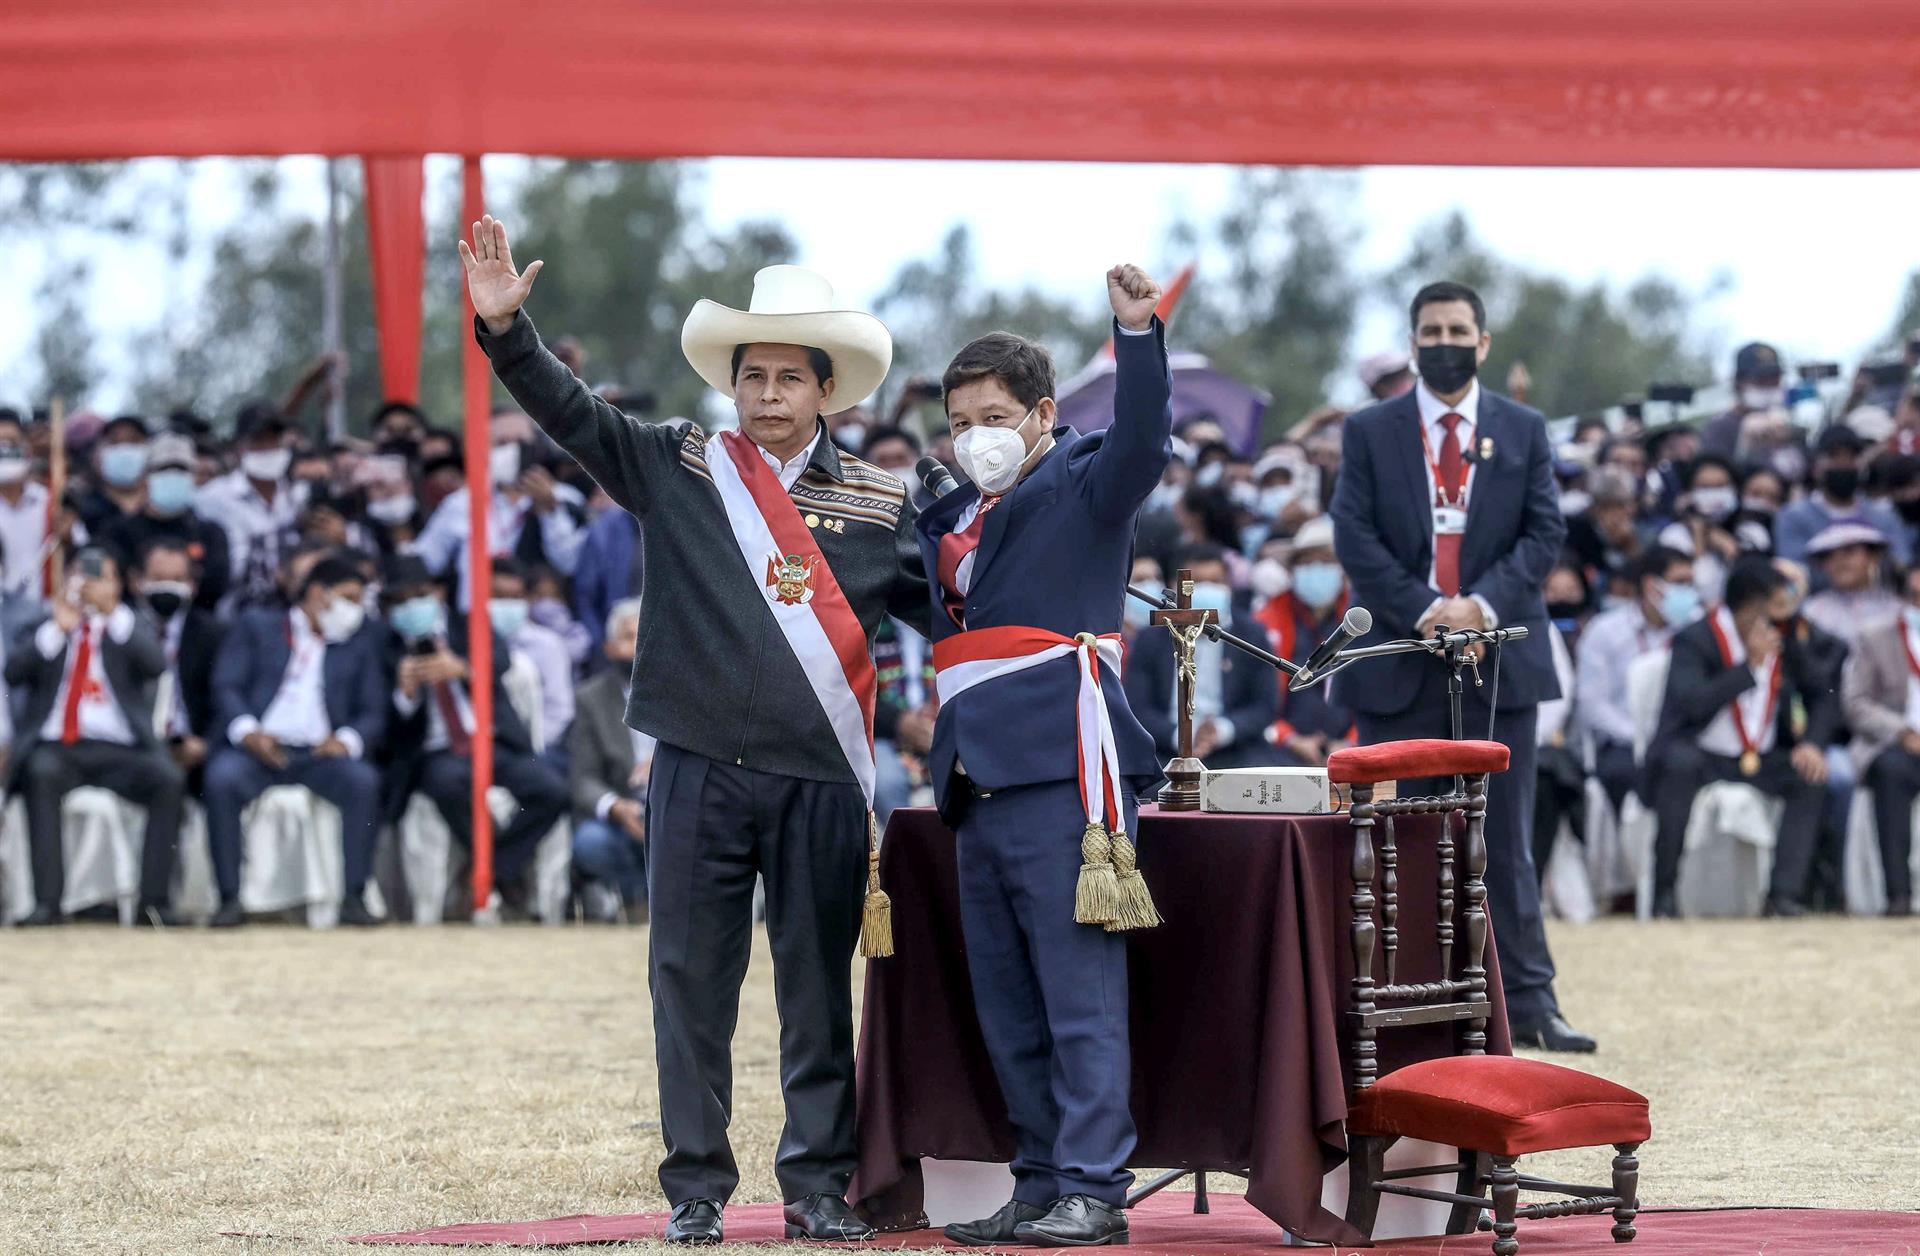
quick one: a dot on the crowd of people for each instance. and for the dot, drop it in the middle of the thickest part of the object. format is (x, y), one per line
(199, 618)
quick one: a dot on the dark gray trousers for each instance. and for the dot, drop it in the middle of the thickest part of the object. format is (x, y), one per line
(711, 827)
(145, 776)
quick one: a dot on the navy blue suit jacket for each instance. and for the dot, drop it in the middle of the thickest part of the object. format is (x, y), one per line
(1383, 533)
(253, 659)
(1055, 554)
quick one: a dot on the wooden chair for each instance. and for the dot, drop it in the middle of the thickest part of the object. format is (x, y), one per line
(1493, 1108)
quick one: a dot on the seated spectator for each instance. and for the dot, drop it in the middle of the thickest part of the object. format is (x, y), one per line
(549, 604)
(1667, 601)
(23, 514)
(81, 680)
(1849, 557)
(399, 423)
(903, 713)
(1605, 539)
(1728, 715)
(1757, 424)
(1837, 497)
(1702, 517)
(1882, 694)
(1762, 494)
(433, 731)
(609, 569)
(169, 515)
(1309, 724)
(1136, 617)
(391, 510)
(531, 517)
(1235, 697)
(1559, 790)
(300, 699)
(607, 767)
(543, 647)
(255, 505)
(164, 588)
(120, 464)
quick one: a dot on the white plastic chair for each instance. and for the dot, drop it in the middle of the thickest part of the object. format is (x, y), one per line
(291, 855)
(1863, 877)
(101, 835)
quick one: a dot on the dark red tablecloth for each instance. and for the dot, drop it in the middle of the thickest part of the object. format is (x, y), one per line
(1238, 1037)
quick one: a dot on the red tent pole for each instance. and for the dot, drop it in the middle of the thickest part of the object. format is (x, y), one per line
(477, 379)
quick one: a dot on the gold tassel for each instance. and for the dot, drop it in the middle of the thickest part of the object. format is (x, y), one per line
(876, 914)
(1096, 900)
(1136, 909)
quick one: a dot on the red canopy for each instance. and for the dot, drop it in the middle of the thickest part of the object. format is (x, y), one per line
(1342, 82)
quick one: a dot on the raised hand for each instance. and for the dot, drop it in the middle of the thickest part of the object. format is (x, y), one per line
(497, 289)
(1133, 295)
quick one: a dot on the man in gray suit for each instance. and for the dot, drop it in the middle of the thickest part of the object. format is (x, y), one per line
(608, 765)
(1882, 695)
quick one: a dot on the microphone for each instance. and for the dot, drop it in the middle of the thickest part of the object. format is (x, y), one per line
(1358, 623)
(934, 475)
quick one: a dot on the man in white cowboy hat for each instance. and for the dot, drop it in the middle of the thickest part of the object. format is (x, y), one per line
(771, 558)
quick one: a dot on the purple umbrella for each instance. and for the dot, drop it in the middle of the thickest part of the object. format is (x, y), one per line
(1199, 391)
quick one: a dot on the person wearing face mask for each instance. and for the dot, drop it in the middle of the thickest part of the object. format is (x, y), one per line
(169, 515)
(1851, 558)
(1757, 423)
(1706, 506)
(1881, 690)
(23, 514)
(1299, 605)
(1836, 496)
(533, 517)
(300, 698)
(1446, 512)
(608, 765)
(510, 608)
(549, 604)
(1136, 617)
(1028, 564)
(1236, 699)
(1735, 695)
(1666, 600)
(120, 469)
(190, 635)
(255, 504)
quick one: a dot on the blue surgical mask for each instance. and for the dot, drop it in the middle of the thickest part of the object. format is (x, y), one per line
(123, 465)
(1208, 596)
(1318, 584)
(509, 615)
(1679, 605)
(416, 617)
(1138, 614)
(170, 492)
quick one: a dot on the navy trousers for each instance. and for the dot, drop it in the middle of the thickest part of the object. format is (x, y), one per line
(712, 826)
(1051, 994)
(235, 778)
(1513, 887)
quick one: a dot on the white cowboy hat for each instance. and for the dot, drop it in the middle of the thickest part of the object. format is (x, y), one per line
(791, 306)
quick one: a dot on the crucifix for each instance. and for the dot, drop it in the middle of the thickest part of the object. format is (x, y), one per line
(1182, 790)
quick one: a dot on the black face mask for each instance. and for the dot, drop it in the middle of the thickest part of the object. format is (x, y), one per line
(1448, 368)
(1564, 610)
(1840, 483)
(165, 604)
(1909, 509)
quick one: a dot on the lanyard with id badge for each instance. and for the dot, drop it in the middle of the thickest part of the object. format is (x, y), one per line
(1449, 509)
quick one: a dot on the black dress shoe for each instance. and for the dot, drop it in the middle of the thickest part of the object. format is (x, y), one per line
(1666, 906)
(42, 916)
(696, 1223)
(1777, 905)
(228, 917)
(825, 1218)
(156, 916)
(1553, 1034)
(997, 1229)
(354, 914)
(1900, 907)
(1076, 1221)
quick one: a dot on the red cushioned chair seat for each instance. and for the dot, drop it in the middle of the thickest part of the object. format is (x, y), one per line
(1410, 760)
(1502, 1105)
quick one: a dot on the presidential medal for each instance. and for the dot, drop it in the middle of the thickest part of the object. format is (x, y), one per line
(1750, 763)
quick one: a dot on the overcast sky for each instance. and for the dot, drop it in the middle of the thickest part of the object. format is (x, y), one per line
(1816, 259)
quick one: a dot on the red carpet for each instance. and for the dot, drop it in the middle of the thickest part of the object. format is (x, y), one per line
(1166, 1226)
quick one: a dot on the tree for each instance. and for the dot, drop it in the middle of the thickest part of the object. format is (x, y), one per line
(1281, 314)
(1906, 318)
(64, 343)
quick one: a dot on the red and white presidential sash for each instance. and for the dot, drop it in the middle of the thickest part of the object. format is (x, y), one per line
(806, 600)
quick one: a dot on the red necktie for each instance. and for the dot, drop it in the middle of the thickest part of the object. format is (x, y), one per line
(1450, 476)
(457, 739)
(77, 681)
(955, 546)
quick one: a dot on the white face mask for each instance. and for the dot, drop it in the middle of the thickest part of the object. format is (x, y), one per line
(390, 510)
(341, 619)
(13, 470)
(992, 456)
(1271, 578)
(1761, 397)
(266, 464)
(503, 464)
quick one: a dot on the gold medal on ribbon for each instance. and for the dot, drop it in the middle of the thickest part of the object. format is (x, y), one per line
(1750, 763)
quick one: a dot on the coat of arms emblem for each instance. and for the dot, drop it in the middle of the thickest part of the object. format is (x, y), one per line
(790, 579)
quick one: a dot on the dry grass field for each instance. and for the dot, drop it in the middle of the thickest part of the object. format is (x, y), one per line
(158, 1090)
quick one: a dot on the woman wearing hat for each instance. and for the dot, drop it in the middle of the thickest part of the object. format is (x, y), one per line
(771, 557)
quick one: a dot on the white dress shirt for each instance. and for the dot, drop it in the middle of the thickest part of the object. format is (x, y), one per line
(547, 651)
(100, 716)
(1432, 410)
(297, 716)
(254, 526)
(1757, 714)
(1609, 643)
(789, 471)
(444, 538)
(1913, 682)
(23, 538)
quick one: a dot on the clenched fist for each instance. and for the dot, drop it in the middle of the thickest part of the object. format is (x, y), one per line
(1133, 294)
(497, 289)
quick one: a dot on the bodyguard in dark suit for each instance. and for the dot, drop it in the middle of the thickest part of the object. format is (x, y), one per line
(1736, 678)
(1236, 697)
(88, 672)
(1030, 564)
(433, 731)
(1446, 512)
(300, 698)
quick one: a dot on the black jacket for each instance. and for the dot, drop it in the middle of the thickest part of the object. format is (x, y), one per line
(1700, 685)
(132, 667)
(206, 542)
(407, 731)
(200, 642)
